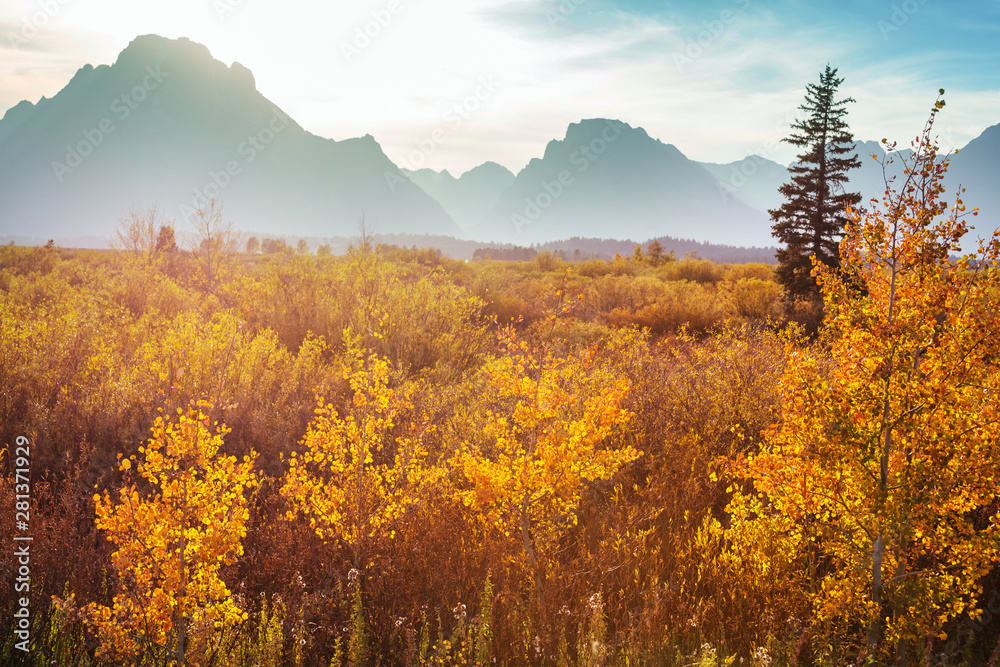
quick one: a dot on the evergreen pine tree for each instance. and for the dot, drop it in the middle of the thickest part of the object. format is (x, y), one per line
(811, 220)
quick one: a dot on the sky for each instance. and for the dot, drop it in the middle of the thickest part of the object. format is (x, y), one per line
(449, 84)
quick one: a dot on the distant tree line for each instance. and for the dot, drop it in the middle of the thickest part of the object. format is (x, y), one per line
(579, 249)
(511, 254)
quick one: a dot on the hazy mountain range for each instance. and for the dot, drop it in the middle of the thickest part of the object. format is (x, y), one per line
(168, 124)
(470, 197)
(976, 167)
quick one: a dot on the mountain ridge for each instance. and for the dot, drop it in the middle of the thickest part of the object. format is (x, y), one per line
(605, 171)
(470, 196)
(167, 123)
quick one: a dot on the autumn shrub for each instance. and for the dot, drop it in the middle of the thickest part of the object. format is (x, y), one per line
(570, 333)
(755, 299)
(694, 401)
(624, 294)
(58, 357)
(412, 315)
(167, 298)
(435, 327)
(623, 266)
(264, 391)
(736, 272)
(508, 295)
(66, 558)
(21, 261)
(548, 262)
(291, 295)
(170, 544)
(694, 270)
(592, 268)
(668, 307)
(542, 416)
(880, 478)
(355, 480)
(565, 490)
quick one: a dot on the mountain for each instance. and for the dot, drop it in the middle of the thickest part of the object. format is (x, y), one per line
(169, 124)
(608, 179)
(468, 198)
(870, 178)
(754, 180)
(977, 169)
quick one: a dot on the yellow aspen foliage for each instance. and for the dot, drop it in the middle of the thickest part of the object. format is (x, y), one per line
(542, 423)
(354, 480)
(884, 470)
(172, 541)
